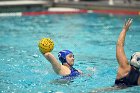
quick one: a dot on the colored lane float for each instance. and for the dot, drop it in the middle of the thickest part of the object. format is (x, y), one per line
(70, 11)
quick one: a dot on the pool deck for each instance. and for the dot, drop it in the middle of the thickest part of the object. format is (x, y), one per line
(104, 6)
(99, 5)
(23, 6)
(117, 7)
(12, 3)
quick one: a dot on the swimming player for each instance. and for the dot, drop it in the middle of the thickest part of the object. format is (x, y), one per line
(65, 69)
(128, 72)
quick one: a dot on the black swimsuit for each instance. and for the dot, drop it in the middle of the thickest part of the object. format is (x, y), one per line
(129, 80)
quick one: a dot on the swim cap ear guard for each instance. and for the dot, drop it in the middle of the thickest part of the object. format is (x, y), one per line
(62, 55)
(135, 60)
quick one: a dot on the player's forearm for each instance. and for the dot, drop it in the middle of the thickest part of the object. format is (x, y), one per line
(121, 39)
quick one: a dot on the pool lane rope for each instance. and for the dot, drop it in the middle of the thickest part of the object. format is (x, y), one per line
(69, 11)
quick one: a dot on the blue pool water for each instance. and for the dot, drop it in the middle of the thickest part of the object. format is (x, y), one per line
(91, 37)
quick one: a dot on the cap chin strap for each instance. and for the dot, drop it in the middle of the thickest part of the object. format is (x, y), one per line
(135, 63)
(68, 64)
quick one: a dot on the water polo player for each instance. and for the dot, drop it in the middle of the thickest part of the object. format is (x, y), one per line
(65, 56)
(128, 72)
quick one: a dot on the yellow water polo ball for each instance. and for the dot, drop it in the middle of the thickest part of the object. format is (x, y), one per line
(46, 45)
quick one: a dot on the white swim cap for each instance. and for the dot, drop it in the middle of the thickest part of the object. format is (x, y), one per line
(135, 60)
